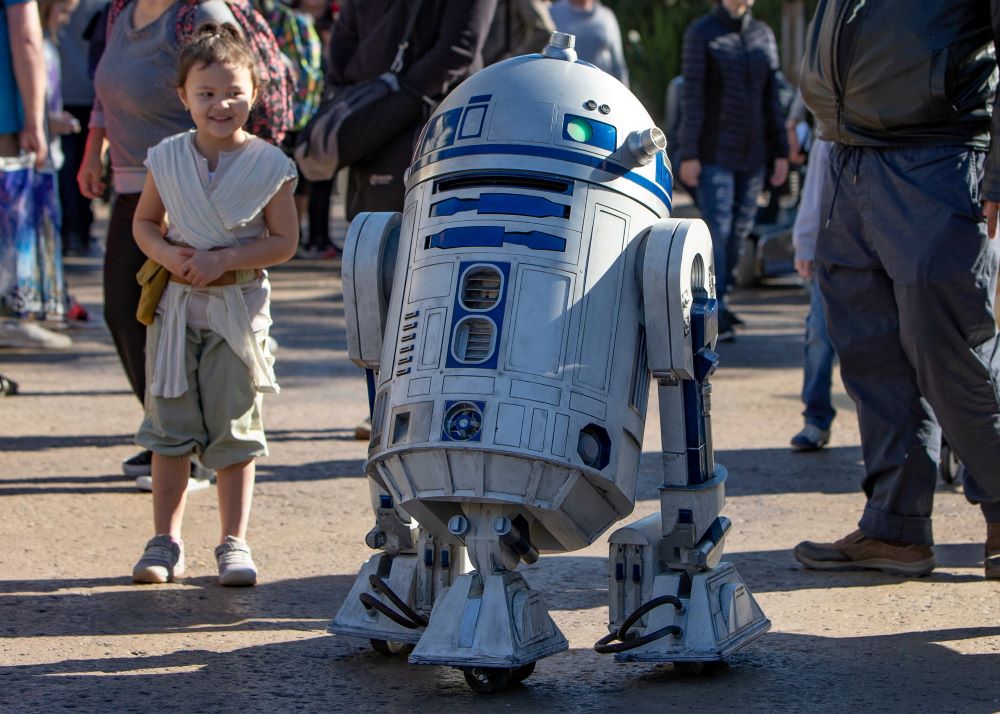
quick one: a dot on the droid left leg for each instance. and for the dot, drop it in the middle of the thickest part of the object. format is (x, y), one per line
(490, 623)
(395, 590)
(672, 599)
(393, 594)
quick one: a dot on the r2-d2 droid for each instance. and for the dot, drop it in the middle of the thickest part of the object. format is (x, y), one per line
(512, 316)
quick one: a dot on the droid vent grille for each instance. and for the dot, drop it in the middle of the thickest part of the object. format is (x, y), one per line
(481, 288)
(474, 340)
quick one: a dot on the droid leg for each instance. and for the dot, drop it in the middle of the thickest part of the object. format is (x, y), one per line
(393, 594)
(490, 623)
(672, 600)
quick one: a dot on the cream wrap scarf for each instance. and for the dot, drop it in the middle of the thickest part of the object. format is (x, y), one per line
(206, 219)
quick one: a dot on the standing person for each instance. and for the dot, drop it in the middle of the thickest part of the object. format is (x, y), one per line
(444, 48)
(53, 300)
(598, 37)
(519, 27)
(22, 80)
(905, 260)
(31, 280)
(732, 130)
(22, 101)
(135, 108)
(78, 97)
(232, 214)
(817, 373)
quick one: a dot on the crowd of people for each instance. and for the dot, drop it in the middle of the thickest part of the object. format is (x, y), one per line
(131, 100)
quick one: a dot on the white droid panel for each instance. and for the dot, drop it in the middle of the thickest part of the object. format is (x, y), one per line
(600, 312)
(540, 322)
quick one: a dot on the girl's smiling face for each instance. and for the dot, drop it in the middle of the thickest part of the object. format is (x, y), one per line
(219, 97)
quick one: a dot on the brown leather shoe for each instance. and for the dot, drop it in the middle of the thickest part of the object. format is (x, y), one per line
(856, 552)
(992, 556)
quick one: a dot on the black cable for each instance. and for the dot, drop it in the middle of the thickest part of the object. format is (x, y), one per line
(373, 603)
(382, 587)
(627, 640)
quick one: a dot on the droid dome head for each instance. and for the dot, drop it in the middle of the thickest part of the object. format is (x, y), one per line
(557, 113)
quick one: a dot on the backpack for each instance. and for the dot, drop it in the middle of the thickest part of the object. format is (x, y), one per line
(301, 45)
(271, 115)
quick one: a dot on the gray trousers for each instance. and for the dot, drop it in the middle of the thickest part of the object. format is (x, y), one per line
(908, 277)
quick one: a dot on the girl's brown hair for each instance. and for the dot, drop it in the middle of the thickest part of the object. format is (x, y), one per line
(213, 43)
(45, 8)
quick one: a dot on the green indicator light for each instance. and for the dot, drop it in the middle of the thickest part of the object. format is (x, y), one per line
(579, 130)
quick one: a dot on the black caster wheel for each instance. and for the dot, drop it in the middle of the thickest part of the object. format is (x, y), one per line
(691, 669)
(522, 673)
(390, 648)
(949, 465)
(486, 680)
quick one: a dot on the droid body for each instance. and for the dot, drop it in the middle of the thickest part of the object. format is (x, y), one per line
(511, 318)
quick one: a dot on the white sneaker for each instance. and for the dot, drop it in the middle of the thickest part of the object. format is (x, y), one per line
(236, 567)
(162, 559)
(145, 483)
(24, 333)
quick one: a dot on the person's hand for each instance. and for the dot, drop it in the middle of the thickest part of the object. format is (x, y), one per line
(780, 174)
(63, 123)
(32, 140)
(991, 209)
(203, 267)
(175, 257)
(90, 177)
(690, 172)
(804, 268)
(795, 154)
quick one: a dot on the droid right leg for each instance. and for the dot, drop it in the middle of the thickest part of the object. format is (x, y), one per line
(393, 594)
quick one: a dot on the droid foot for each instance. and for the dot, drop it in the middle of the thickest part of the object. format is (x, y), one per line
(370, 612)
(718, 617)
(487, 623)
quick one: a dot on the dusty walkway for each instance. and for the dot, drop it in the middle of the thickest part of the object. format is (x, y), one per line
(75, 634)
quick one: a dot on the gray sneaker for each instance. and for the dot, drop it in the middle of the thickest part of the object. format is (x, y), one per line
(162, 560)
(236, 567)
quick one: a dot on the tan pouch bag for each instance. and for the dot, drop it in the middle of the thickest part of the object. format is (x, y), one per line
(153, 278)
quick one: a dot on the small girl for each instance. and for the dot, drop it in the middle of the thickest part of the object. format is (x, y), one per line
(216, 209)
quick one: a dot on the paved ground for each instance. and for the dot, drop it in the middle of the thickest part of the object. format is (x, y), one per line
(75, 634)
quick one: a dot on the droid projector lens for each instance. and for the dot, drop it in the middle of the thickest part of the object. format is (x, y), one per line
(463, 422)
(579, 130)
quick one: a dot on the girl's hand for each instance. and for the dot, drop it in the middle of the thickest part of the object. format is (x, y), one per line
(203, 267)
(175, 257)
(90, 176)
(63, 123)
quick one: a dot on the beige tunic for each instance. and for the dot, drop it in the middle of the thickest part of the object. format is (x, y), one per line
(208, 211)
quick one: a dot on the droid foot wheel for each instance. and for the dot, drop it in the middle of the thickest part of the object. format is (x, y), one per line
(696, 669)
(522, 673)
(391, 647)
(949, 465)
(486, 680)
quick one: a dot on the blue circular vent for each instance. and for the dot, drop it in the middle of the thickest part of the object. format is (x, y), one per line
(463, 421)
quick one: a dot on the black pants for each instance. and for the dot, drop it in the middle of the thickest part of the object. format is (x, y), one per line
(122, 260)
(76, 214)
(908, 275)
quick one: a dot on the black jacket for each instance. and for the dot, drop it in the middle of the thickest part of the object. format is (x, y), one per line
(905, 73)
(730, 111)
(444, 48)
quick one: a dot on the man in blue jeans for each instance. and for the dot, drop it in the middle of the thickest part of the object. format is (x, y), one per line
(732, 126)
(907, 261)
